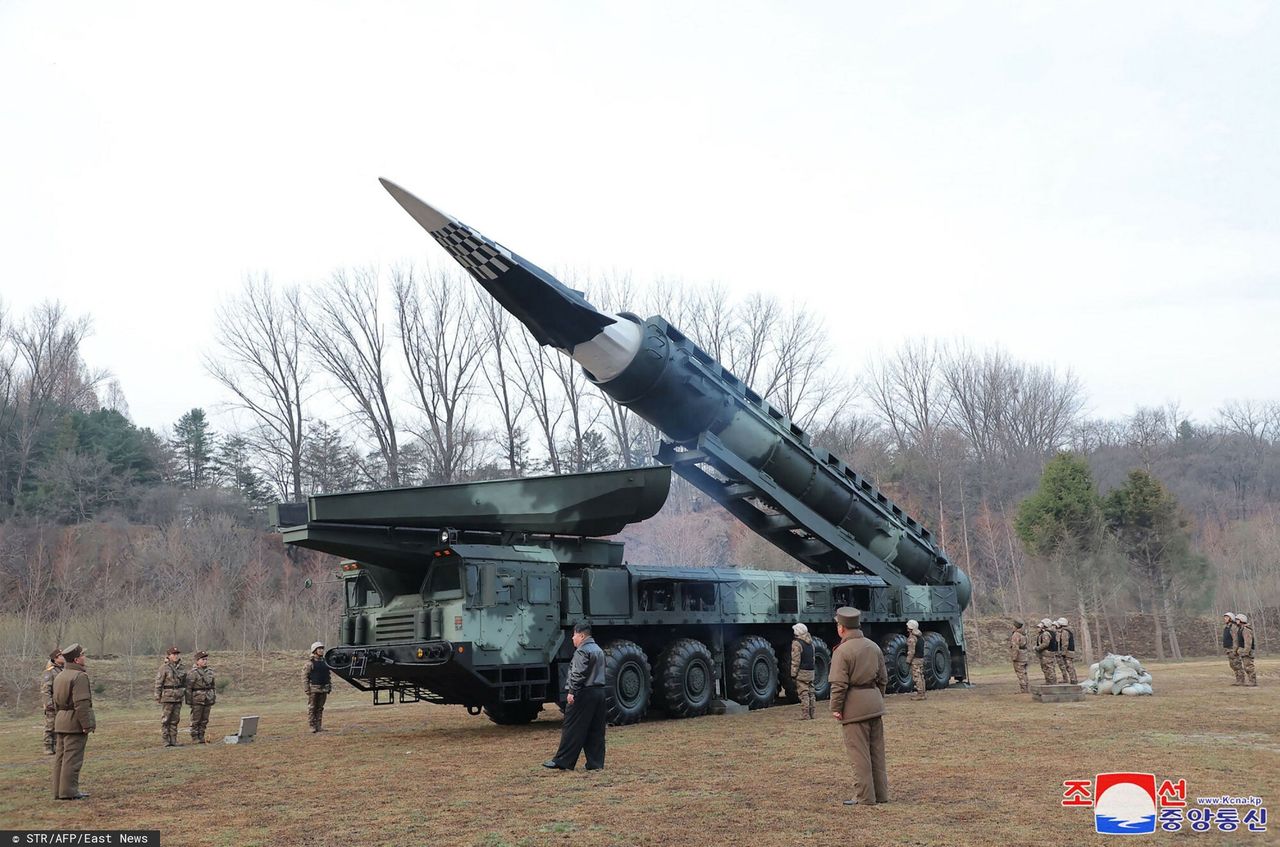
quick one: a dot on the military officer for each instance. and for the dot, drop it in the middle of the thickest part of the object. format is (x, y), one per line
(858, 681)
(585, 716)
(46, 692)
(1066, 651)
(1046, 647)
(73, 700)
(1229, 646)
(915, 652)
(316, 680)
(201, 695)
(1018, 654)
(802, 668)
(1244, 649)
(170, 691)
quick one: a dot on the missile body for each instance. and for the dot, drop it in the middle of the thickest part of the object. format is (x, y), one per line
(660, 374)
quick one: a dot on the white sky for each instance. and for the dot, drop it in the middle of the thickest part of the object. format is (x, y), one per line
(1089, 185)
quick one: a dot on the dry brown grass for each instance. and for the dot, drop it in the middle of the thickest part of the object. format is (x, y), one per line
(982, 766)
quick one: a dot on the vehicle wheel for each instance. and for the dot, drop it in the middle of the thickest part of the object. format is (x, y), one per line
(897, 664)
(513, 714)
(753, 674)
(627, 682)
(937, 661)
(821, 669)
(684, 679)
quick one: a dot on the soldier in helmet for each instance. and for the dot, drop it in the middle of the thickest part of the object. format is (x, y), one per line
(1046, 647)
(316, 681)
(1018, 653)
(1244, 649)
(201, 695)
(802, 668)
(858, 681)
(171, 690)
(915, 652)
(1066, 651)
(46, 691)
(1229, 646)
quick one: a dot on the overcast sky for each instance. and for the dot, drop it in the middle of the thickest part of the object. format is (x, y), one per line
(1093, 186)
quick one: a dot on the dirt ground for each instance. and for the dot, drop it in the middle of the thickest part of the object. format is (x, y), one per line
(966, 767)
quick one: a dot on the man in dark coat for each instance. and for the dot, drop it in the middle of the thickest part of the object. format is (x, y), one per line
(585, 716)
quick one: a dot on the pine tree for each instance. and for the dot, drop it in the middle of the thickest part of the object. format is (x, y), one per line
(193, 445)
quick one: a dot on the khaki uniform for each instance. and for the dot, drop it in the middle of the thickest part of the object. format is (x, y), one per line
(1229, 647)
(170, 691)
(46, 693)
(316, 693)
(73, 700)
(1244, 650)
(803, 678)
(201, 691)
(1018, 655)
(1065, 655)
(914, 640)
(1045, 652)
(858, 680)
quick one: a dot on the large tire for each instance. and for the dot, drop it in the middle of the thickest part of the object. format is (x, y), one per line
(753, 672)
(513, 714)
(821, 669)
(684, 682)
(628, 681)
(937, 661)
(897, 664)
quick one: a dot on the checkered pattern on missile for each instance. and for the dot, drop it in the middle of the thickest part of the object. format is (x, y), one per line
(481, 259)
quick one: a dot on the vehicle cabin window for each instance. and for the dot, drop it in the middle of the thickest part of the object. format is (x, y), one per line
(815, 598)
(361, 592)
(699, 597)
(539, 588)
(787, 603)
(444, 578)
(656, 596)
(849, 595)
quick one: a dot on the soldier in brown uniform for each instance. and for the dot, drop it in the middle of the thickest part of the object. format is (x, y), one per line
(858, 680)
(171, 690)
(1018, 654)
(1046, 647)
(915, 652)
(1229, 646)
(802, 669)
(46, 691)
(201, 695)
(73, 700)
(1244, 649)
(1066, 652)
(316, 680)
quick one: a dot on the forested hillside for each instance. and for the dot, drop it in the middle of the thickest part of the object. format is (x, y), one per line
(127, 535)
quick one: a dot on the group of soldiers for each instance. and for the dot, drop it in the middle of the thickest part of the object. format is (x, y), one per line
(1237, 642)
(176, 685)
(1055, 646)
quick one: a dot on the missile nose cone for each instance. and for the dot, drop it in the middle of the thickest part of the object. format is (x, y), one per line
(555, 314)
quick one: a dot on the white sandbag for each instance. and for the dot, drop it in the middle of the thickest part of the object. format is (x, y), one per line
(1118, 675)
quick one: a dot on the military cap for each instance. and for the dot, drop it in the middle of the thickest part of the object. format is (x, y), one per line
(316, 646)
(72, 652)
(200, 654)
(1061, 622)
(799, 628)
(1018, 623)
(913, 624)
(1243, 618)
(55, 654)
(172, 650)
(848, 617)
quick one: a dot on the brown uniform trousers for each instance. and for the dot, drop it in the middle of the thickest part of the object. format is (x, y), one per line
(74, 721)
(1244, 649)
(858, 680)
(804, 679)
(1044, 652)
(1018, 654)
(201, 687)
(1066, 659)
(170, 691)
(46, 691)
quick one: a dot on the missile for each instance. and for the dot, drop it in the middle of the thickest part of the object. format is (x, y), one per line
(555, 314)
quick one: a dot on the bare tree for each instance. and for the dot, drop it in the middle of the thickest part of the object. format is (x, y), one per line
(548, 406)
(801, 384)
(260, 338)
(503, 377)
(346, 334)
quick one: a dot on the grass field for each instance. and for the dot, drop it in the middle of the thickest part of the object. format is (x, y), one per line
(966, 767)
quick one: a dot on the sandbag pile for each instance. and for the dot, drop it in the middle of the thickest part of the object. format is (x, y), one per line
(1117, 675)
